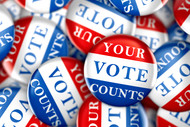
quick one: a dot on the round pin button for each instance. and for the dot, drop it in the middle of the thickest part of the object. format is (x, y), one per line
(94, 113)
(138, 8)
(122, 68)
(6, 32)
(42, 6)
(176, 33)
(14, 108)
(151, 31)
(181, 13)
(36, 41)
(172, 119)
(58, 85)
(171, 91)
(88, 21)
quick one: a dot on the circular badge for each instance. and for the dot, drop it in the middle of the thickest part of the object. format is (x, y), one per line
(14, 108)
(42, 6)
(172, 119)
(94, 113)
(138, 8)
(88, 21)
(122, 68)
(151, 31)
(171, 91)
(58, 85)
(36, 41)
(181, 13)
(6, 32)
(165, 14)
(176, 33)
(13, 8)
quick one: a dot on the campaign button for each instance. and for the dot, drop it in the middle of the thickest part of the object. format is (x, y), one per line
(138, 8)
(14, 108)
(176, 33)
(13, 8)
(167, 118)
(181, 13)
(151, 31)
(36, 41)
(42, 6)
(120, 68)
(165, 14)
(94, 113)
(58, 85)
(172, 89)
(88, 21)
(6, 32)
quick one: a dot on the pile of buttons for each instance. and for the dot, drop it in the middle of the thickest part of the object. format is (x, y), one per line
(95, 63)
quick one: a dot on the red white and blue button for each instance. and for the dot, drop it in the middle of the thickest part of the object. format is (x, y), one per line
(58, 85)
(182, 14)
(6, 32)
(138, 7)
(94, 113)
(120, 68)
(88, 21)
(171, 91)
(36, 41)
(151, 31)
(42, 6)
(167, 118)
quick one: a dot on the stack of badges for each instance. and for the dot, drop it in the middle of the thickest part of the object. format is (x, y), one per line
(42, 6)
(138, 8)
(92, 63)
(61, 88)
(6, 32)
(36, 41)
(181, 13)
(13, 8)
(88, 21)
(171, 91)
(122, 68)
(151, 30)
(94, 113)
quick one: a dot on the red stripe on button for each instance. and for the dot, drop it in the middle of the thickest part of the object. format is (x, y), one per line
(75, 70)
(181, 10)
(150, 22)
(163, 123)
(21, 3)
(181, 102)
(10, 60)
(90, 113)
(134, 44)
(82, 37)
